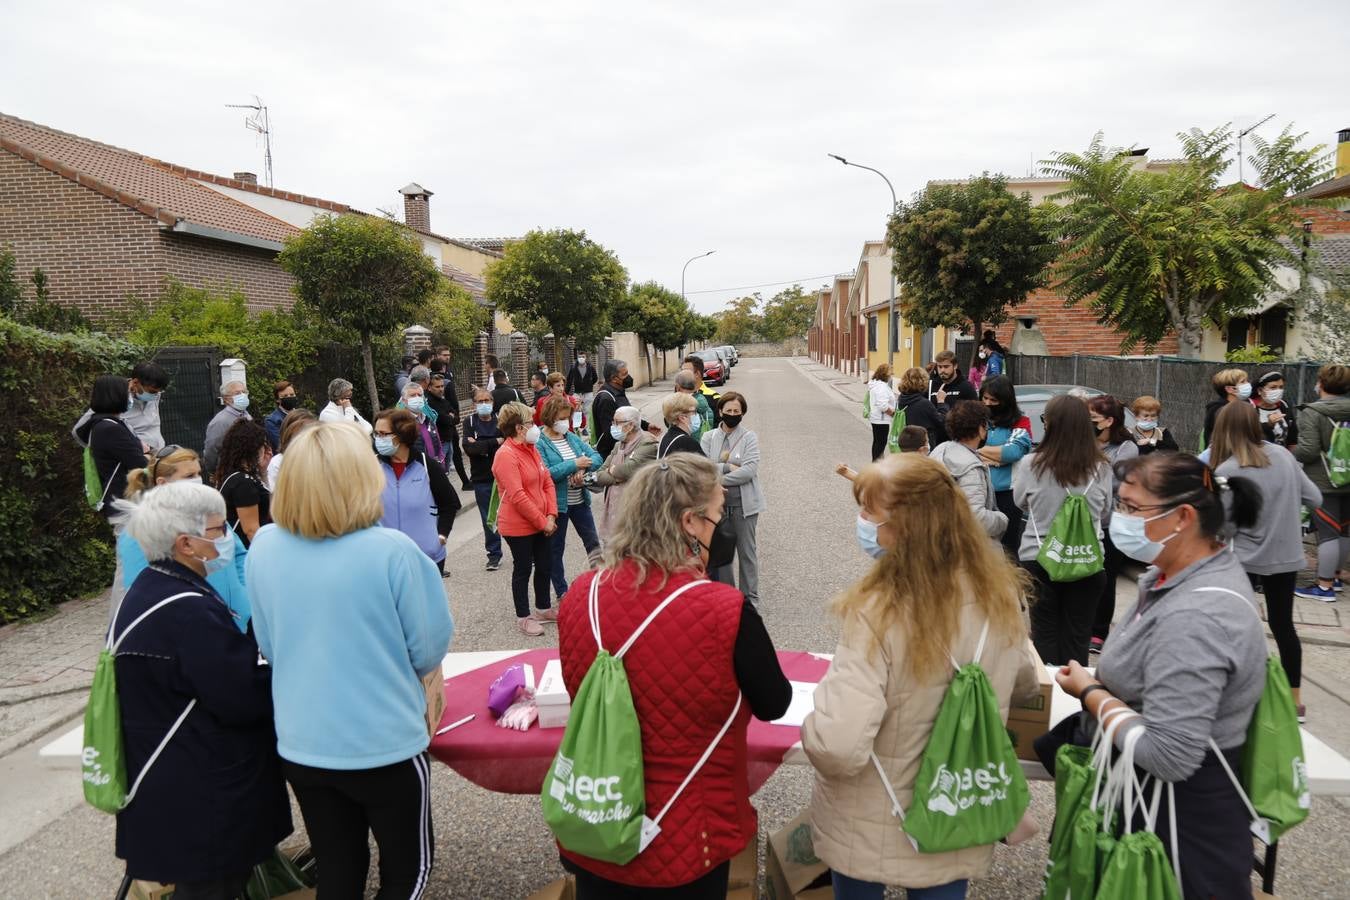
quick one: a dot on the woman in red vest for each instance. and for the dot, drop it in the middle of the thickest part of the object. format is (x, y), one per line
(704, 656)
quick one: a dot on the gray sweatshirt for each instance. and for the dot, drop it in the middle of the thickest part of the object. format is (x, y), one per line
(1275, 543)
(1192, 664)
(972, 477)
(1041, 496)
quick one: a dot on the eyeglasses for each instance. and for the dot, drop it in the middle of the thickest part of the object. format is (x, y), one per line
(1131, 509)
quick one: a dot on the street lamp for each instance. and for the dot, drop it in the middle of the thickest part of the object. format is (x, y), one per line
(686, 267)
(895, 205)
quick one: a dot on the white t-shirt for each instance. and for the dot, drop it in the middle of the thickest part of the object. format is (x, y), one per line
(273, 470)
(883, 399)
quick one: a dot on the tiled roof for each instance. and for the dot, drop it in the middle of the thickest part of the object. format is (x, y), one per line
(1336, 187)
(140, 182)
(495, 245)
(476, 286)
(1333, 253)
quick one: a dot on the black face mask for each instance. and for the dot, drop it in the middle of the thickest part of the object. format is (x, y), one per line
(627, 382)
(731, 421)
(722, 548)
(288, 403)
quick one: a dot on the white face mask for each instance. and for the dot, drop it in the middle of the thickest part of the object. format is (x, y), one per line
(532, 435)
(416, 403)
(1273, 395)
(1146, 424)
(1127, 533)
(192, 479)
(562, 426)
(1244, 390)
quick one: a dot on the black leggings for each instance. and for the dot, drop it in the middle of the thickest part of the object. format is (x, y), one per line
(1061, 617)
(530, 552)
(1113, 562)
(341, 808)
(1012, 538)
(1279, 594)
(879, 435)
(712, 886)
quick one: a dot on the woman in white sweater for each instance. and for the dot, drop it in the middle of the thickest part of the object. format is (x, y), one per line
(882, 409)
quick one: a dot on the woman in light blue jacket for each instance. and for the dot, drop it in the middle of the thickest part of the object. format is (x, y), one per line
(568, 458)
(735, 451)
(417, 499)
(1009, 440)
(174, 463)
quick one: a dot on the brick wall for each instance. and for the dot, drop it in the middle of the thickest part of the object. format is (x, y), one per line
(98, 253)
(1072, 330)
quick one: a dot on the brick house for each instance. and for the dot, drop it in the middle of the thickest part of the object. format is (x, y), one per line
(107, 225)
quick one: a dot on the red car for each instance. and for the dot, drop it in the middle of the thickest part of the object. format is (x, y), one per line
(714, 371)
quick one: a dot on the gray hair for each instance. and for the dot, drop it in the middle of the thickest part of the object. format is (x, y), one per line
(158, 517)
(337, 387)
(685, 381)
(420, 374)
(225, 388)
(613, 367)
(627, 414)
(412, 385)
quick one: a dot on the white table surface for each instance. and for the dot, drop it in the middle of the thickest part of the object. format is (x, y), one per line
(1328, 771)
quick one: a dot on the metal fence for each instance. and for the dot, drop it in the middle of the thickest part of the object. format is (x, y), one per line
(193, 394)
(1183, 386)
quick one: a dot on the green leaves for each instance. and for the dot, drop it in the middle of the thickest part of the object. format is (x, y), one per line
(559, 278)
(659, 316)
(966, 252)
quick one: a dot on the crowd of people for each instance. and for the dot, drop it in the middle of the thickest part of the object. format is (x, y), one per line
(274, 636)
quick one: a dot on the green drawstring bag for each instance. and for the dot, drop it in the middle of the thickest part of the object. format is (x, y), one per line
(1071, 550)
(1138, 866)
(103, 763)
(1073, 790)
(867, 405)
(1274, 782)
(970, 790)
(897, 426)
(1337, 458)
(594, 795)
(494, 505)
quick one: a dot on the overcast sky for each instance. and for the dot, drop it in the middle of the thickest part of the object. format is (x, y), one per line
(665, 129)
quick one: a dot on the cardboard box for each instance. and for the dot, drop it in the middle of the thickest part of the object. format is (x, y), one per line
(551, 697)
(792, 871)
(1028, 721)
(149, 890)
(434, 684)
(745, 870)
(564, 888)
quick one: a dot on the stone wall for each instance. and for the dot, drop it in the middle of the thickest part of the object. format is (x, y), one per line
(760, 350)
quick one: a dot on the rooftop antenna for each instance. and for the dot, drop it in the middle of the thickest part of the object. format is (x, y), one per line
(1242, 134)
(260, 123)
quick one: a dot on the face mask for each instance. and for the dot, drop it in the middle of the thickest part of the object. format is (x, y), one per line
(867, 538)
(1244, 390)
(1127, 533)
(695, 422)
(722, 548)
(732, 421)
(562, 426)
(616, 432)
(984, 354)
(416, 404)
(240, 402)
(532, 435)
(581, 360)
(147, 397)
(1274, 395)
(1146, 424)
(289, 403)
(483, 409)
(197, 479)
(224, 553)
(543, 372)
(384, 445)
(627, 382)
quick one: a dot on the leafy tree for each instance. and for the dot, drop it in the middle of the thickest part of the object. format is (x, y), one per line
(453, 316)
(658, 316)
(788, 315)
(45, 313)
(1155, 253)
(1324, 306)
(276, 344)
(740, 322)
(1287, 167)
(560, 282)
(966, 253)
(362, 273)
(11, 293)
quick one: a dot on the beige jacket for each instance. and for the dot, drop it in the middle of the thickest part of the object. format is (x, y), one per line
(867, 704)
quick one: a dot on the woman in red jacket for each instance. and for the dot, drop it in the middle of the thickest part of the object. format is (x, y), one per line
(705, 663)
(527, 515)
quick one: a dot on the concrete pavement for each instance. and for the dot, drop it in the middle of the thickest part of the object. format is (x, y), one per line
(494, 846)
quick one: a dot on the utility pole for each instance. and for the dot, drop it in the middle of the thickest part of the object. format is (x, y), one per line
(894, 329)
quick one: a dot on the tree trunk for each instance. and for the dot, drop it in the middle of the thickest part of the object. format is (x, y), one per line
(558, 354)
(368, 363)
(1189, 337)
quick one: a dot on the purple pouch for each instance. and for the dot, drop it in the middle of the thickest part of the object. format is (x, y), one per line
(504, 691)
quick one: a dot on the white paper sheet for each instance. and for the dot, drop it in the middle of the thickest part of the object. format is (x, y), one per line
(803, 702)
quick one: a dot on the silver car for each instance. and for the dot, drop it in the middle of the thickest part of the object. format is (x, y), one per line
(1033, 397)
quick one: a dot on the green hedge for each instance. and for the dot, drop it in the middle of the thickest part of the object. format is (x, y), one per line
(53, 547)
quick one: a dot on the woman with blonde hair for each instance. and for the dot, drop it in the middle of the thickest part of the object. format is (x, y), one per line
(708, 646)
(678, 411)
(351, 617)
(1271, 548)
(927, 599)
(174, 463)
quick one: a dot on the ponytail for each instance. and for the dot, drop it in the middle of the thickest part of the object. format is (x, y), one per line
(137, 481)
(1242, 501)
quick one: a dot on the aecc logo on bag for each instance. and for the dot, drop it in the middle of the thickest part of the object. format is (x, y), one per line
(955, 791)
(1060, 552)
(587, 789)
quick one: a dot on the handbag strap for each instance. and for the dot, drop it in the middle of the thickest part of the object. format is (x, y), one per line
(717, 739)
(107, 486)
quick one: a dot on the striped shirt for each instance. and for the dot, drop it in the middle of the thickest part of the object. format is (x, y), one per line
(566, 452)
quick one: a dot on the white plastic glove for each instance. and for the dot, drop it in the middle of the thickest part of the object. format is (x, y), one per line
(519, 715)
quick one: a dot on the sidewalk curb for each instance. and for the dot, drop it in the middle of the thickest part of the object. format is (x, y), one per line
(69, 712)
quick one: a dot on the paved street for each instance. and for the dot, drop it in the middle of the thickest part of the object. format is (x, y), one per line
(492, 846)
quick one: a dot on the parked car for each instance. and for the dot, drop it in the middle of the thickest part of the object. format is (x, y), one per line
(1033, 397)
(716, 371)
(730, 353)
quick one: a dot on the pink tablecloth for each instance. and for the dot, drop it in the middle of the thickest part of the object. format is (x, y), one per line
(514, 762)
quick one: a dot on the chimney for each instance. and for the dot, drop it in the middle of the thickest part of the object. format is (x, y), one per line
(246, 177)
(416, 207)
(1342, 153)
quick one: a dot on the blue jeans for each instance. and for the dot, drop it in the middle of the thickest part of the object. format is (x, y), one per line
(584, 522)
(492, 541)
(846, 888)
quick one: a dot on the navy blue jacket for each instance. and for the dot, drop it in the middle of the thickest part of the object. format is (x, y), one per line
(214, 804)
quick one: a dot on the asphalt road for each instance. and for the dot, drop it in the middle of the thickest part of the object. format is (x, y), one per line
(494, 846)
